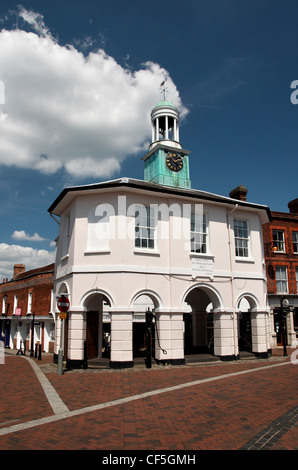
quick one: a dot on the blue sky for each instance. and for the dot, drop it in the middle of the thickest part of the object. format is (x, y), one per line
(80, 79)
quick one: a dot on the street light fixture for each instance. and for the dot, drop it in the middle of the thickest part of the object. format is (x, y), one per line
(284, 308)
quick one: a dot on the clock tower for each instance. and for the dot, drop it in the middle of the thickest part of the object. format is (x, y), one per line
(166, 162)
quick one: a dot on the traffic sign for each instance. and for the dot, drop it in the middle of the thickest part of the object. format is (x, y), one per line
(63, 304)
(63, 315)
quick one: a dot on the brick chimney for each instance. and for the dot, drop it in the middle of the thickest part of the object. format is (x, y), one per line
(239, 193)
(18, 269)
(293, 206)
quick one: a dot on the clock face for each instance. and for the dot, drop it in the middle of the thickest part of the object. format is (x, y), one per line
(174, 162)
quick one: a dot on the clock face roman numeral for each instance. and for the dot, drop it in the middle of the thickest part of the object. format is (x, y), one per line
(174, 162)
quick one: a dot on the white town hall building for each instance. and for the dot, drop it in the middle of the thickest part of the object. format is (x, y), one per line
(196, 259)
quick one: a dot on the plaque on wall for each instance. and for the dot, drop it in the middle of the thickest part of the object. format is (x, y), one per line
(202, 267)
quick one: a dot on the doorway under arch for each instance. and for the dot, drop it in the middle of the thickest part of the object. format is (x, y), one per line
(98, 325)
(199, 322)
(244, 305)
(140, 304)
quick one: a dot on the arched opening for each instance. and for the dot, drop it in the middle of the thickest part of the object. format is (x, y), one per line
(140, 304)
(199, 322)
(98, 326)
(245, 304)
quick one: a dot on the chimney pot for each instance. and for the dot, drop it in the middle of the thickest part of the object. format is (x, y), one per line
(18, 269)
(239, 193)
(293, 206)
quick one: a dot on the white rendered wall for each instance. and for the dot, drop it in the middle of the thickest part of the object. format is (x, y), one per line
(120, 271)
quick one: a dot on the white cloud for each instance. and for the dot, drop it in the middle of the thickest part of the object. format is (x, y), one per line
(66, 110)
(35, 20)
(30, 257)
(22, 235)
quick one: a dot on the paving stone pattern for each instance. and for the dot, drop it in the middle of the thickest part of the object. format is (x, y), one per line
(227, 406)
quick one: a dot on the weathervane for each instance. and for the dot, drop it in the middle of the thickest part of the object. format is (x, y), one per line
(164, 89)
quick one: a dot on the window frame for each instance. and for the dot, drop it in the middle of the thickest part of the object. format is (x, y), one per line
(295, 232)
(279, 279)
(65, 236)
(29, 303)
(149, 228)
(15, 303)
(277, 242)
(199, 233)
(238, 238)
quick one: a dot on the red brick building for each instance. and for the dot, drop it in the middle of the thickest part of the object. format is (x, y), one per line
(281, 256)
(27, 316)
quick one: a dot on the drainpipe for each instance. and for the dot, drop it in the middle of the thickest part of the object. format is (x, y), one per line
(232, 279)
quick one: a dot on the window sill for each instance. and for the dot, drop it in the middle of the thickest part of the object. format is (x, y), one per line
(193, 254)
(244, 260)
(143, 251)
(97, 252)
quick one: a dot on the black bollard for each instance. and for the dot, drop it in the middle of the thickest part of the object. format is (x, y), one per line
(85, 365)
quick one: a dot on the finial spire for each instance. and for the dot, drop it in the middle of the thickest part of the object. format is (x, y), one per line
(163, 88)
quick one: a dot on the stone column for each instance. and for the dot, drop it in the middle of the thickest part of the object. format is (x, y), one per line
(153, 131)
(121, 339)
(177, 338)
(224, 337)
(77, 321)
(156, 129)
(163, 337)
(259, 332)
(169, 337)
(174, 137)
(166, 128)
(292, 340)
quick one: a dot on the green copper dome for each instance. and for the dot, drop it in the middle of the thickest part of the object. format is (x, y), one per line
(165, 103)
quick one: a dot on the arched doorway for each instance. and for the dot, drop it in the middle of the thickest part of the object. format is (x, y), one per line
(140, 304)
(247, 306)
(98, 326)
(199, 322)
(244, 326)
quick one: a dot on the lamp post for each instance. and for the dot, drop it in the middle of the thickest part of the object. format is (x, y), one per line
(284, 308)
(32, 335)
(149, 321)
(60, 353)
(63, 306)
